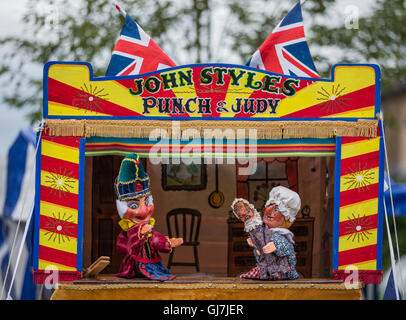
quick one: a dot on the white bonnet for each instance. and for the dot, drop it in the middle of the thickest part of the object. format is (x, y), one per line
(287, 200)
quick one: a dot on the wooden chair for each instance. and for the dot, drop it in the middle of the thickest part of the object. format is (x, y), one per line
(177, 220)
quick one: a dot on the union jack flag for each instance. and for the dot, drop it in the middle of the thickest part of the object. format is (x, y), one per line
(135, 52)
(285, 51)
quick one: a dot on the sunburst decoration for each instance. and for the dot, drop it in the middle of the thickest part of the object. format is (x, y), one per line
(59, 229)
(357, 228)
(60, 181)
(358, 177)
(333, 101)
(90, 98)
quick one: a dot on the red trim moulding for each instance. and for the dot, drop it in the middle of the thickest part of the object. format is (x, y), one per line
(90, 147)
(366, 276)
(41, 276)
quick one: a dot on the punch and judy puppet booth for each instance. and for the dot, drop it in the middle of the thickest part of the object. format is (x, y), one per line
(206, 113)
(168, 114)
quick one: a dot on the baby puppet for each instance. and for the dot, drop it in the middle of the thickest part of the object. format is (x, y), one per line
(269, 266)
(138, 240)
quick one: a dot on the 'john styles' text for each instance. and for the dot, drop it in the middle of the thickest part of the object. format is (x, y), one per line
(212, 83)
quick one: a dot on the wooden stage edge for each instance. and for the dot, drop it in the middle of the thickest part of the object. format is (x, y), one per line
(109, 287)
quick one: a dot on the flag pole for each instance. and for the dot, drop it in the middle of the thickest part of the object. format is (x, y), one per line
(379, 116)
(121, 10)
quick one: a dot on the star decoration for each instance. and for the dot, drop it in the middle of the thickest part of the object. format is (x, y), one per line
(358, 177)
(59, 229)
(357, 228)
(90, 98)
(60, 181)
(333, 101)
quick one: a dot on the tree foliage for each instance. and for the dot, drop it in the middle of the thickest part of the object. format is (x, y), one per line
(67, 31)
(190, 31)
(376, 38)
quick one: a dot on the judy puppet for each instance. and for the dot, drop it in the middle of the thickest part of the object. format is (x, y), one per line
(272, 241)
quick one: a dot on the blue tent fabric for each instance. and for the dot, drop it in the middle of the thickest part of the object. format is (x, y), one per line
(23, 286)
(390, 292)
(17, 157)
(399, 199)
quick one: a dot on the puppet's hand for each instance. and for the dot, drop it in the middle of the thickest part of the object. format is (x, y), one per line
(269, 247)
(146, 228)
(175, 242)
(258, 253)
(250, 243)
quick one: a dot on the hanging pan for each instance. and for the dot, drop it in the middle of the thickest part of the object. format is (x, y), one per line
(216, 198)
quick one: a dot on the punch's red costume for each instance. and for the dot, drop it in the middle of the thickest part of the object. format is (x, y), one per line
(142, 253)
(138, 240)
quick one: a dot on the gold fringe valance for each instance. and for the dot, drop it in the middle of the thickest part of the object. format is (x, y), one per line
(65, 128)
(217, 129)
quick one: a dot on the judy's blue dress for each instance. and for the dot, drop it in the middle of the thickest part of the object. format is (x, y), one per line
(283, 240)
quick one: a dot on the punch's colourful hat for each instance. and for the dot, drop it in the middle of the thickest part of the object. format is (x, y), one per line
(132, 181)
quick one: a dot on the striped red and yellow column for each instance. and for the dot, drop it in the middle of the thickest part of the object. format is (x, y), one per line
(59, 208)
(358, 217)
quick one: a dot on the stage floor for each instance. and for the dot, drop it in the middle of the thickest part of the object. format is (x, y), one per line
(203, 287)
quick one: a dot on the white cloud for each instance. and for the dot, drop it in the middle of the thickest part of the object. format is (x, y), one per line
(11, 120)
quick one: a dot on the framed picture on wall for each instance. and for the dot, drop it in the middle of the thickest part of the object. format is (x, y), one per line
(184, 176)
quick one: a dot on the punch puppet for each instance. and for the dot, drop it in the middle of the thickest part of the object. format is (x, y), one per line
(138, 240)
